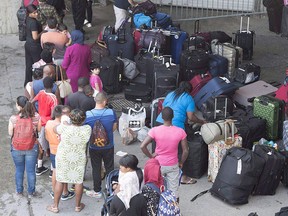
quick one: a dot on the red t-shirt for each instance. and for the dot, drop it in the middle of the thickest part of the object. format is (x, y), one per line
(46, 103)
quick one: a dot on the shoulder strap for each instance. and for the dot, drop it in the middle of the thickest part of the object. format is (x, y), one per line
(101, 114)
(153, 186)
(199, 194)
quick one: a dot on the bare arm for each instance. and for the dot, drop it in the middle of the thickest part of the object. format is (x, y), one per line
(144, 145)
(192, 117)
(10, 128)
(185, 151)
(35, 35)
(39, 125)
(132, 3)
(114, 126)
(57, 94)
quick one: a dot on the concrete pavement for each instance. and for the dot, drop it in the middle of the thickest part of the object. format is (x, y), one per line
(270, 54)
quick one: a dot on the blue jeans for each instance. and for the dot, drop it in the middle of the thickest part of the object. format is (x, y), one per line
(22, 160)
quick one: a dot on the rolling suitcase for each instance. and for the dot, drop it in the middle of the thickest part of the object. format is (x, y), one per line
(248, 73)
(237, 176)
(271, 110)
(245, 39)
(282, 94)
(138, 92)
(199, 81)
(218, 65)
(196, 163)
(98, 51)
(111, 74)
(214, 88)
(156, 108)
(272, 171)
(153, 39)
(162, 20)
(245, 95)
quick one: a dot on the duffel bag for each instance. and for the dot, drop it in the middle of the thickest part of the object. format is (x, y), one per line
(130, 70)
(152, 39)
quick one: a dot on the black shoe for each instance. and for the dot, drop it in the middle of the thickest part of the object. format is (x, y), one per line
(41, 170)
(50, 173)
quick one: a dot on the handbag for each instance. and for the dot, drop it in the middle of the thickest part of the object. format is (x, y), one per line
(64, 84)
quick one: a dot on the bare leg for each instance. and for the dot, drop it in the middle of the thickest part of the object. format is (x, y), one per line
(57, 193)
(53, 180)
(65, 188)
(78, 191)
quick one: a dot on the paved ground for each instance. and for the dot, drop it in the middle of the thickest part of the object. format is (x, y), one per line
(270, 53)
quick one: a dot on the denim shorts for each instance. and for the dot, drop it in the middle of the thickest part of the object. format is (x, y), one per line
(52, 158)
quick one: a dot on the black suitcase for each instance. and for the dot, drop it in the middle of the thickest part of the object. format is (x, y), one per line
(111, 74)
(238, 174)
(272, 172)
(248, 73)
(283, 212)
(275, 18)
(165, 80)
(245, 40)
(196, 164)
(138, 93)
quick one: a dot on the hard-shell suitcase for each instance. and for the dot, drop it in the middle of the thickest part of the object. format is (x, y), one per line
(282, 94)
(248, 73)
(214, 88)
(272, 171)
(199, 81)
(218, 108)
(98, 51)
(165, 80)
(138, 92)
(237, 176)
(218, 65)
(269, 109)
(111, 74)
(245, 95)
(196, 164)
(245, 40)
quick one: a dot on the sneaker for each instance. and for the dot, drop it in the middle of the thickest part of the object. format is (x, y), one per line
(41, 170)
(34, 194)
(88, 25)
(85, 188)
(70, 195)
(85, 21)
(50, 173)
(94, 194)
(51, 194)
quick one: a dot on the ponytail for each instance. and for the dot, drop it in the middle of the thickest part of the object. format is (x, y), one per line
(27, 110)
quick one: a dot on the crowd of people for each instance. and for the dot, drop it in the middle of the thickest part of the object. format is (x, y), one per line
(63, 128)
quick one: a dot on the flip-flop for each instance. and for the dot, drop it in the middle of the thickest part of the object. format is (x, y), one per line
(53, 209)
(80, 208)
(191, 181)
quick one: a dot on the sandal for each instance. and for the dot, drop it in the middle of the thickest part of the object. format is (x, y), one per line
(53, 209)
(80, 208)
(190, 181)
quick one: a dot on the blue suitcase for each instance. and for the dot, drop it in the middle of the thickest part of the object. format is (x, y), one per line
(163, 20)
(176, 46)
(214, 88)
(218, 65)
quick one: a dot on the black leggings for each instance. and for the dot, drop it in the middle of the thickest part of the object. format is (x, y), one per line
(32, 55)
(79, 11)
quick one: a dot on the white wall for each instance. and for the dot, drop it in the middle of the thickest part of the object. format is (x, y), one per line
(8, 19)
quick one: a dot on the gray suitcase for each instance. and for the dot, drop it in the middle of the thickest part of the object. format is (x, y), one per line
(245, 94)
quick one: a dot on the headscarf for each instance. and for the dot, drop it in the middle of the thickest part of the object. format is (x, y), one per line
(129, 187)
(77, 37)
(152, 172)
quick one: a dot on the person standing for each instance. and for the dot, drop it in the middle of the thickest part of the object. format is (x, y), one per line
(89, 13)
(77, 59)
(32, 46)
(108, 119)
(24, 147)
(71, 158)
(120, 11)
(167, 138)
(78, 11)
(46, 11)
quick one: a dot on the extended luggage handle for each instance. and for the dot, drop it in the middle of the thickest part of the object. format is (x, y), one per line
(215, 107)
(241, 24)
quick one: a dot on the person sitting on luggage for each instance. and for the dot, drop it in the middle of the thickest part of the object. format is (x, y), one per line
(95, 80)
(167, 138)
(183, 106)
(128, 199)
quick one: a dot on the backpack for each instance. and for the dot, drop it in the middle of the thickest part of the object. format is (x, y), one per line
(99, 136)
(152, 194)
(23, 135)
(168, 204)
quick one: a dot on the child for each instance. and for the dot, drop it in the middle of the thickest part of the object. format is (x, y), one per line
(95, 80)
(64, 30)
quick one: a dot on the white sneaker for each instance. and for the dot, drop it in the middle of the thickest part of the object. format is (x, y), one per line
(85, 21)
(88, 25)
(94, 194)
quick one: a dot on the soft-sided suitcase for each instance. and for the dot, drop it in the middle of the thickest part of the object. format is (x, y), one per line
(98, 51)
(245, 40)
(153, 39)
(237, 176)
(218, 65)
(233, 53)
(196, 163)
(245, 95)
(248, 73)
(156, 108)
(272, 171)
(215, 87)
(271, 110)
(218, 108)
(138, 92)
(199, 81)
(111, 74)
(165, 80)
(275, 18)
